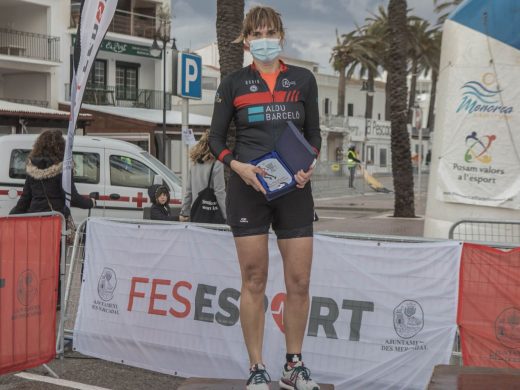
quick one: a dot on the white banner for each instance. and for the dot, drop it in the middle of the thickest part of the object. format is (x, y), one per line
(477, 106)
(95, 17)
(165, 298)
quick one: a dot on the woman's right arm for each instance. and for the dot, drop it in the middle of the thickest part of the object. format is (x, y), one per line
(25, 199)
(223, 112)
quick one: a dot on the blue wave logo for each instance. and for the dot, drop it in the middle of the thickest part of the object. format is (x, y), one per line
(476, 89)
(482, 98)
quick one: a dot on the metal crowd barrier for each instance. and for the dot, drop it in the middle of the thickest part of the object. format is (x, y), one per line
(499, 234)
(60, 346)
(75, 259)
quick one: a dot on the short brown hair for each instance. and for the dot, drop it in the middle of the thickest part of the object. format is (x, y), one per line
(259, 17)
(49, 144)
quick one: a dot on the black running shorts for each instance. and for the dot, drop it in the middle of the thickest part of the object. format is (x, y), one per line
(249, 213)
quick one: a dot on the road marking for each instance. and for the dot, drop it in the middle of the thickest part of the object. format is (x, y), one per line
(330, 217)
(59, 382)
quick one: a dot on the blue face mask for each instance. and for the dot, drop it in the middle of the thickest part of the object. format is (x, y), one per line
(265, 49)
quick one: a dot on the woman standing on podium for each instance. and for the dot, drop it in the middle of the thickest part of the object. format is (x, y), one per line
(261, 98)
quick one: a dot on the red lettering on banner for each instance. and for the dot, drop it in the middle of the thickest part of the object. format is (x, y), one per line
(99, 14)
(181, 299)
(133, 293)
(154, 296)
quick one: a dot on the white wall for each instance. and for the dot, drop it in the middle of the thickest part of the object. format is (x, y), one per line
(25, 17)
(26, 85)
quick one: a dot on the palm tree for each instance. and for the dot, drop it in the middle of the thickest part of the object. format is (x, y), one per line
(380, 25)
(369, 61)
(400, 141)
(444, 7)
(349, 50)
(434, 58)
(230, 15)
(419, 57)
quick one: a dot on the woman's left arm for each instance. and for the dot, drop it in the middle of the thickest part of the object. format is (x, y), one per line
(311, 126)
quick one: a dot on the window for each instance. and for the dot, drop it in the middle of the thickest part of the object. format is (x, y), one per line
(326, 104)
(17, 163)
(370, 154)
(127, 81)
(127, 172)
(350, 109)
(382, 157)
(209, 83)
(97, 77)
(86, 166)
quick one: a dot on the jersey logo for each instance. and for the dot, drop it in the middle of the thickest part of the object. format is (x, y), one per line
(255, 114)
(286, 83)
(253, 88)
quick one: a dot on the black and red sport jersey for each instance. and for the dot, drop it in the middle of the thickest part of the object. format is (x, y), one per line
(261, 116)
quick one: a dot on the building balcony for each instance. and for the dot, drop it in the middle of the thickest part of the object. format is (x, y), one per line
(124, 22)
(123, 97)
(29, 45)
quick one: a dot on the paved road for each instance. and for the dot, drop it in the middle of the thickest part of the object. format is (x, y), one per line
(360, 211)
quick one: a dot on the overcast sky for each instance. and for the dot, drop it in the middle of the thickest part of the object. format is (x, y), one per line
(310, 24)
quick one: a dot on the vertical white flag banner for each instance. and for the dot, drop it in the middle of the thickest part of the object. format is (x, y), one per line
(166, 298)
(95, 17)
(478, 106)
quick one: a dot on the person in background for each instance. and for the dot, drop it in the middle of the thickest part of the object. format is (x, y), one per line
(160, 198)
(251, 97)
(352, 163)
(43, 190)
(198, 176)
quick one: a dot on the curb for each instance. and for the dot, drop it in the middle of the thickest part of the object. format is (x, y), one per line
(353, 208)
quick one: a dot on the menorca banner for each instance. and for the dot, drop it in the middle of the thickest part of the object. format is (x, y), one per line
(95, 17)
(489, 308)
(166, 298)
(477, 145)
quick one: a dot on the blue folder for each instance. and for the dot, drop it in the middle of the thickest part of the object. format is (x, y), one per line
(292, 152)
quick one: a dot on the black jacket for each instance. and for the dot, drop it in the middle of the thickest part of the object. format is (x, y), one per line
(261, 116)
(159, 212)
(44, 182)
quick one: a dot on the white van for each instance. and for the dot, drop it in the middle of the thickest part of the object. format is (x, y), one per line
(120, 171)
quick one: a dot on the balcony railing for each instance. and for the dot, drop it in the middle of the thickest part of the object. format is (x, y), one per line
(124, 22)
(123, 97)
(29, 45)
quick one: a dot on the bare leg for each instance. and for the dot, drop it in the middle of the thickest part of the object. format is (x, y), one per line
(253, 257)
(297, 261)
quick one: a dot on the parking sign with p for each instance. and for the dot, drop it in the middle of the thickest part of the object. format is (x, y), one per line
(189, 76)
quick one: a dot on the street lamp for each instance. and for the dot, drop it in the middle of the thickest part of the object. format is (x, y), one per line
(369, 89)
(162, 35)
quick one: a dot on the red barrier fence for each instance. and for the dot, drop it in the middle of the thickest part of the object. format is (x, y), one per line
(29, 261)
(489, 306)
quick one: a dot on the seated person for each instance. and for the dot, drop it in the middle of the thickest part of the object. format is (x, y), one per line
(160, 198)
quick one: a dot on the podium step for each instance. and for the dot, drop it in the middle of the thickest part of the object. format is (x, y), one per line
(227, 384)
(473, 378)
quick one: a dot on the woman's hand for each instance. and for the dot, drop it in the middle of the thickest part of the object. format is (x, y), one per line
(183, 218)
(302, 177)
(248, 173)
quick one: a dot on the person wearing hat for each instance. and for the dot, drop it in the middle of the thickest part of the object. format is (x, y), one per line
(160, 198)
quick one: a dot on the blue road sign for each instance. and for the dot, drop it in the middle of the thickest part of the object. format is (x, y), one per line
(189, 77)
